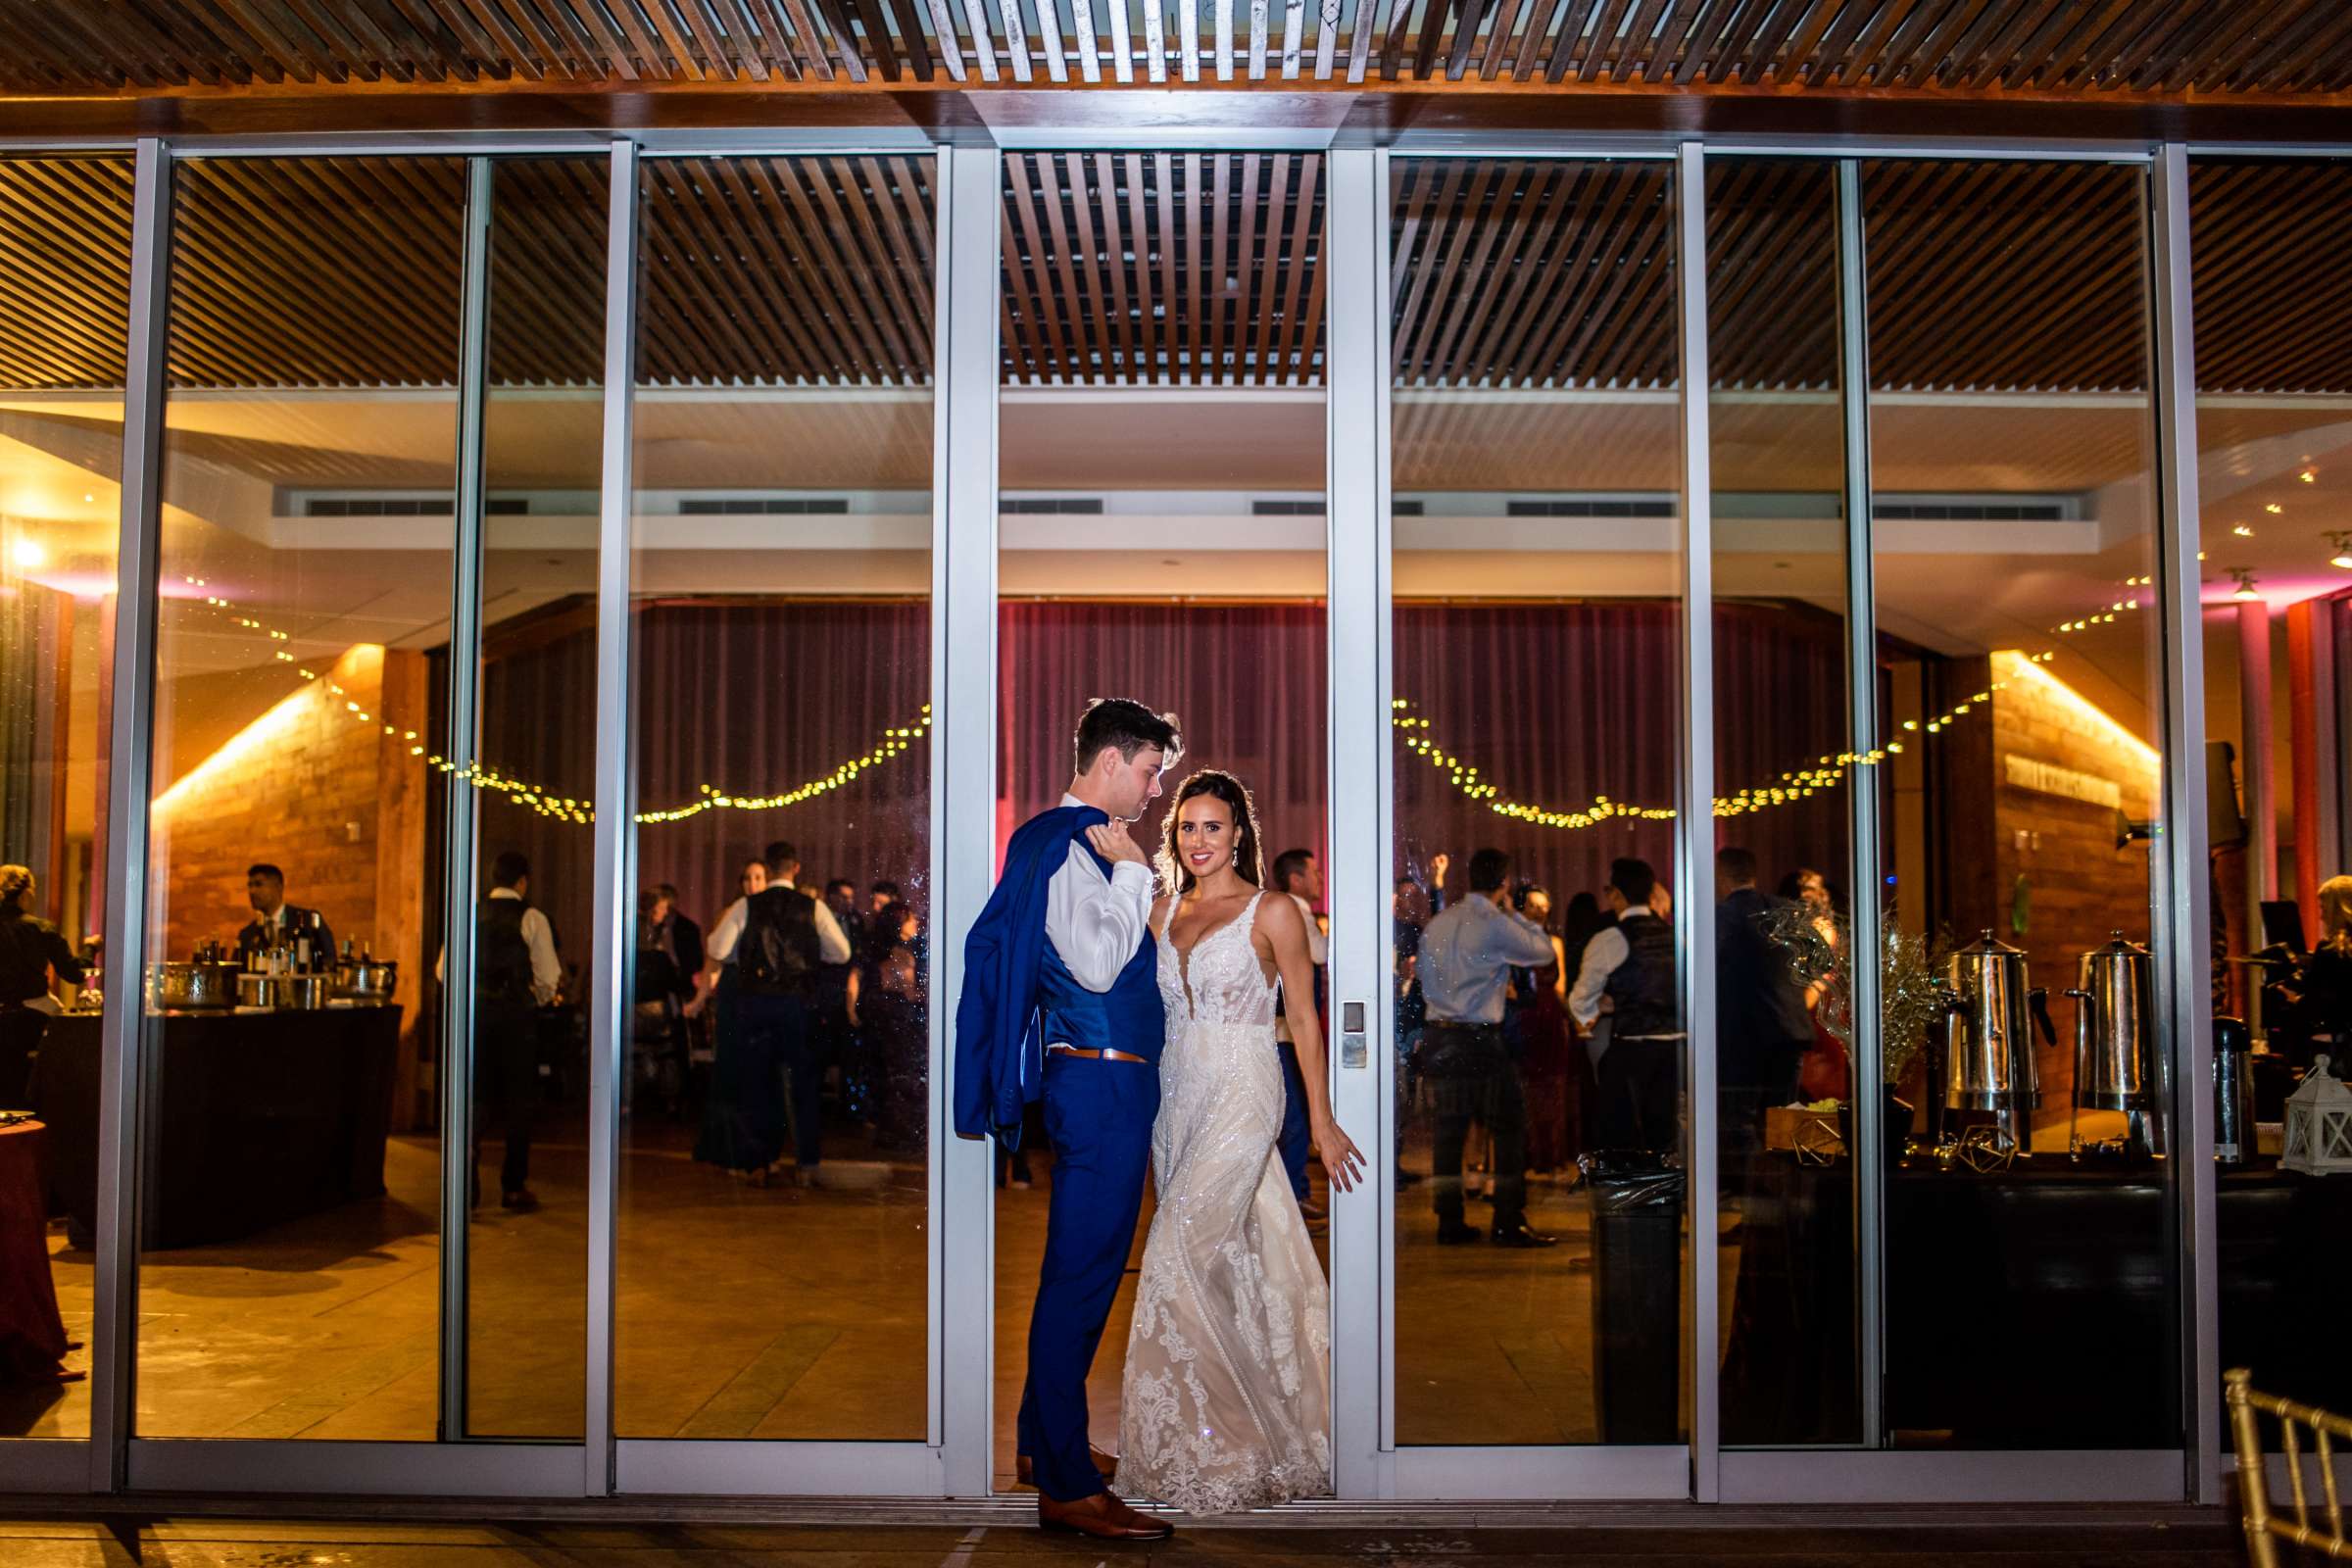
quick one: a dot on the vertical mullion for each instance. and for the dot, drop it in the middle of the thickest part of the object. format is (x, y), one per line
(963, 747)
(2184, 925)
(614, 842)
(1696, 854)
(465, 680)
(121, 1104)
(1357, 541)
(1862, 723)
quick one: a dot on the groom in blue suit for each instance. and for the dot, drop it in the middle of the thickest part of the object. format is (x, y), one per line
(1061, 1003)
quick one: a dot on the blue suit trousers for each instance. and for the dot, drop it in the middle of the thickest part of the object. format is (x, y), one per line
(1292, 1143)
(1099, 1115)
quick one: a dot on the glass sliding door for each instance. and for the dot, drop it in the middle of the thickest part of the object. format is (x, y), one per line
(1791, 1336)
(774, 1238)
(289, 1231)
(1538, 676)
(1161, 521)
(2273, 423)
(2019, 672)
(62, 331)
(535, 704)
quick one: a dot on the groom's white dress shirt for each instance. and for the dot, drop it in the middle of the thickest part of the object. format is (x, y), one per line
(1094, 921)
(1318, 952)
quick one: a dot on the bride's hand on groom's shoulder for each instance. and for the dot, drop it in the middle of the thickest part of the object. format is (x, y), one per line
(1114, 843)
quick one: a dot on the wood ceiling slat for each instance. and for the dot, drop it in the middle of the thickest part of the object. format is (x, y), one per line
(1445, 283)
(1155, 42)
(1547, 203)
(870, 263)
(1430, 222)
(755, 327)
(1293, 37)
(1125, 341)
(2324, 59)
(1088, 46)
(1045, 331)
(1048, 31)
(1258, 30)
(1502, 37)
(1534, 356)
(2253, 57)
(827, 273)
(1070, 224)
(1925, 66)
(1224, 39)
(1875, 36)
(1294, 344)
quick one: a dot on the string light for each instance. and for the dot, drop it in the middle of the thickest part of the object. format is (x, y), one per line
(539, 798)
(893, 742)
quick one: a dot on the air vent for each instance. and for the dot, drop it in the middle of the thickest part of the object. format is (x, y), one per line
(1591, 509)
(1967, 511)
(765, 507)
(1408, 509)
(1286, 509)
(1052, 506)
(410, 506)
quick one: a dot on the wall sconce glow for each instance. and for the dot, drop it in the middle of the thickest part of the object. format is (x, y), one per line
(2012, 665)
(27, 554)
(2340, 541)
(2245, 583)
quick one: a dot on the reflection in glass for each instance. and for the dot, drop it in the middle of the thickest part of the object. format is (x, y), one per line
(1783, 786)
(288, 1282)
(62, 331)
(1537, 690)
(2014, 552)
(2277, 592)
(543, 421)
(1161, 435)
(773, 1252)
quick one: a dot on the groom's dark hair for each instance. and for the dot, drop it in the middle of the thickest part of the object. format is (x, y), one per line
(1127, 724)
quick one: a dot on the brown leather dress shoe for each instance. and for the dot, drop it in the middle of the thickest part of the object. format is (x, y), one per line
(1101, 1516)
(1024, 1468)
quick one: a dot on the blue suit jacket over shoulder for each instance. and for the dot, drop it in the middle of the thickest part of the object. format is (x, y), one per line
(1000, 1051)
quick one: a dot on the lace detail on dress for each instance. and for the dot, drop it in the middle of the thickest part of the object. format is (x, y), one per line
(1227, 1392)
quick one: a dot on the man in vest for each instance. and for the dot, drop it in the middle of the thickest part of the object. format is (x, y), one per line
(1630, 973)
(1061, 1003)
(515, 972)
(787, 939)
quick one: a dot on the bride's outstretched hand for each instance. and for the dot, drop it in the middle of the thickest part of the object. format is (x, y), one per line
(1342, 1160)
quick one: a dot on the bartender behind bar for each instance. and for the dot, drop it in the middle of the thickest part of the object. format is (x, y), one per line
(279, 924)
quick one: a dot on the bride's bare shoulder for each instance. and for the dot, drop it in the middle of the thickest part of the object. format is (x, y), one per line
(1277, 918)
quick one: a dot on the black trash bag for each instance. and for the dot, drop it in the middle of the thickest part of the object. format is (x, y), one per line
(1637, 1294)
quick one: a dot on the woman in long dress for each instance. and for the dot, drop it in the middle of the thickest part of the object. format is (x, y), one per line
(1227, 1394)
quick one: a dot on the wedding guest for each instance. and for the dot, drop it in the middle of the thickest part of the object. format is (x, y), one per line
(33, 956)
(742, 1109)
(781, 941)
(1536, 1024)
(1467, 953)
(887, 1008)
(1630, 972)
(1762, 1026)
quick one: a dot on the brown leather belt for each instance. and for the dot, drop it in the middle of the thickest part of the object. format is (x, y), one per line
(1105, 1055)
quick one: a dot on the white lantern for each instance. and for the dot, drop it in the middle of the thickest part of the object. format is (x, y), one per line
(2318, 1138)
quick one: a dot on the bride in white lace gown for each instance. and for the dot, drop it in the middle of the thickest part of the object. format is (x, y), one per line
(1226, 1399)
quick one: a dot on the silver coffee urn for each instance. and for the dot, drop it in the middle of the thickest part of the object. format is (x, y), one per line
(2115, 1044)
(1990, 1061)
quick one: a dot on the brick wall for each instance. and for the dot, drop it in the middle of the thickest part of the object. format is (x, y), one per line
(2079, 887)
(330, 798)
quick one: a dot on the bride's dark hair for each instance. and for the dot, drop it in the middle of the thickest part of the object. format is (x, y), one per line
(1236, 795)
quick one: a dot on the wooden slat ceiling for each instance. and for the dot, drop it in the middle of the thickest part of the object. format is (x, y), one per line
(1191, 269)
(2112, 49)
(1177, 268)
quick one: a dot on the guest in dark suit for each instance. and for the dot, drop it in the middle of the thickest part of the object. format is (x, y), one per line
(676, 933)
(1761, 1026)
(277, 923)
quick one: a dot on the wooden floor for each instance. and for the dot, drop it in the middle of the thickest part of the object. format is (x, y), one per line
(1665, 1537)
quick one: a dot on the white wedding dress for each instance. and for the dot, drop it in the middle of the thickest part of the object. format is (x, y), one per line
(1227, 1394)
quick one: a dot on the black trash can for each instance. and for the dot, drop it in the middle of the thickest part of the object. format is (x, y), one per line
(1637, 1296)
